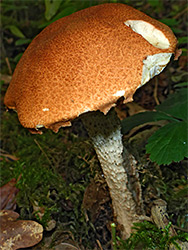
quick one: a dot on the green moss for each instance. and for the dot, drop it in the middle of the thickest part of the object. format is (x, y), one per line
(54, 170)
(147, 236)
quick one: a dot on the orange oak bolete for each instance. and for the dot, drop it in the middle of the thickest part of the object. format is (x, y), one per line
(84, 63)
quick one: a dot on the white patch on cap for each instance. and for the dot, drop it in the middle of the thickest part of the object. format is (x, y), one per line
(86, 110)
(119, 93)
(153, 65)
(39, 126)
(45, 109)
(149, 32)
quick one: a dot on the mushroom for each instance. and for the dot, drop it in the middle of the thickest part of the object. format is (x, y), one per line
(81, 65)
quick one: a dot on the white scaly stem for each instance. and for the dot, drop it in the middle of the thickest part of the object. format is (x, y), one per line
(105, 133)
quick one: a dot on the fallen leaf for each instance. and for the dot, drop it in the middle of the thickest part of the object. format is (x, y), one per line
(5, 78)
(8, 193)
(95, 195)
(15, 234)
(65, 246)
(183, 62)
(7, 157)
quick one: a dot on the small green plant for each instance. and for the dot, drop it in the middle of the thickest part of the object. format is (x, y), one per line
(169, 143)
(147, 236)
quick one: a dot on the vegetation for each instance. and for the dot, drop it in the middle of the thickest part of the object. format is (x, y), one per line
(147, 236)
(57, 173)
(163, 144)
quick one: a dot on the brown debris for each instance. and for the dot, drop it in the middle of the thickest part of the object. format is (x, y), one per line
(8, 157)
(8, 193)
(177, 54)
(17, 234)
(94, 197)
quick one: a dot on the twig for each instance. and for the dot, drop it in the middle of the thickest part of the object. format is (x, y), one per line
(155, 91)
(42, 151)
(181, 229)
(99, 244)
(180, 13)
(8, 65)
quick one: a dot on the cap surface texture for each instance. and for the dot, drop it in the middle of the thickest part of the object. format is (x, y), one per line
(82, 62)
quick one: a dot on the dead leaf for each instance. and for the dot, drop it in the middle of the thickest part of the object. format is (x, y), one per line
(5, 78)
(183, 62)
(7, 157)
(178, 53)
(128, 109)
(65, 246)
(94, 197)
(8, 193)
(17, 234)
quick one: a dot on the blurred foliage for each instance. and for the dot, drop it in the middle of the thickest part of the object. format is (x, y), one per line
(55, 169)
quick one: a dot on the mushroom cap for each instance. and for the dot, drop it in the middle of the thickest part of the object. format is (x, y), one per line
(84, 62)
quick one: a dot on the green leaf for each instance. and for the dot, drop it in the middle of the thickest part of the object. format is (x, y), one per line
(15, 31)
(65, 12)
(176, 104)
(183, 40)
(12, 6)
(22, 41)
(52, 7)
(181, 84)
(17, 57)
(2, 82)
(184, 51)
(178, 78)
(154, 3)
(169, 143)
(176, 30)
(143, 117)
(173, 108)
(169, 21)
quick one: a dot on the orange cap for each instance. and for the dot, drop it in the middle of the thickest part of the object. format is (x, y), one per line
(83, 62)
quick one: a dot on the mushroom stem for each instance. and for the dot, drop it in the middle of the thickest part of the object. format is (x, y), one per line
(105, 133)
